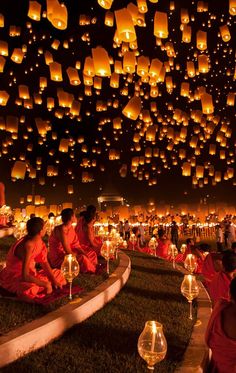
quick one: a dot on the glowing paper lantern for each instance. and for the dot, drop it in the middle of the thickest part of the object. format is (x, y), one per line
(125, 26)
(106, 4)
(203, 66)
(187, 34)
(57, 14)
(129, 62)
(133, 108)
(101, 62)
(109, 19)
(64, 145)
(17, 55)
(201, 40)
(34, 11)
(225, 33)
(73, 76)
(207, 104)
(3, 48)
(18, 171)
(4, 96)
(186, 169)
(161, 25)
(55, 71)
(232, 7)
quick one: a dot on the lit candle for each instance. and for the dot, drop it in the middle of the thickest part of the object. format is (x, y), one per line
(154, 331)
(190, 284)
(70, 260)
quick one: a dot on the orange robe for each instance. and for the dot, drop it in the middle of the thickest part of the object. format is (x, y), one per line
(87, 258)
(86, 236)
(219, 287)
(223, 348)
(11, 275)
(162, 249)
(208, 269)
(136, 247)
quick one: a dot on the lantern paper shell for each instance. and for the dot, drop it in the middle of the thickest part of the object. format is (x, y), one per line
(133, 108)
(18, 171)
(161, 25)
(101, 62)
(125, 26)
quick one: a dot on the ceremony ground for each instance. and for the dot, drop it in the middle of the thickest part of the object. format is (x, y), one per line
(107, 341)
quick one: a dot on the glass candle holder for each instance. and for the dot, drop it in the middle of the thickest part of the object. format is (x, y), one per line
(190, 290)
(152, 346)
(70, 269)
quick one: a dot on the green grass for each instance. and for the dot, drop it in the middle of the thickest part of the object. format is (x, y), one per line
(107, 341)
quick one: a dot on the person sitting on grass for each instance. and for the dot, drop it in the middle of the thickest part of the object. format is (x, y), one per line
(85, 230)
(221, 334)
(20, 275)
(219, 286)
(163, 244)
(64, 240)
(211, 266)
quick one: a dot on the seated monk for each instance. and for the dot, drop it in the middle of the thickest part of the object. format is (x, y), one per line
(136, 245)
(85, 230)
(163, 244)
(211, 266)
(192, 249)
(221, 334)
(20, 275)
(219, 286)
(64, 240)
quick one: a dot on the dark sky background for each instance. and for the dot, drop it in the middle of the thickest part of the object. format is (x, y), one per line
(171, 186)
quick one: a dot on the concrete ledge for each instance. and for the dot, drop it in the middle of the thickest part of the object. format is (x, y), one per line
(6, 232)
(196, 356)
(39, 332)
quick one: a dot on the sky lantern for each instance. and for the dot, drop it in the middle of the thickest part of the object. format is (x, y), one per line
(17, 55)
(125, 26)
(3, 48)
(201, 40)
(161, 25)
(101, 62)
(129, 62)
(4, 96)
(232, 7)
(203, 65)
(109, 19)
(142, 6)
(207, 104)
(34, 11)
(73, 76)
(225, 33)
(57, 14)
(133, 108)
(18, 170)
(186, 34)
(106, 4)
(55, 71)
(64, 145)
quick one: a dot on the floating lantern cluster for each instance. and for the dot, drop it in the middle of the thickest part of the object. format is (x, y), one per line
(155, 75)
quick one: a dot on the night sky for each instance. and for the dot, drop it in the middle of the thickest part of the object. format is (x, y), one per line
(96, 127)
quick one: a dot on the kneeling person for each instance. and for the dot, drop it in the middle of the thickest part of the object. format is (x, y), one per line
(64, 240)
(20, 275)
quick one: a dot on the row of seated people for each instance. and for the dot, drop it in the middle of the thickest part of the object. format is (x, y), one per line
(21, 277)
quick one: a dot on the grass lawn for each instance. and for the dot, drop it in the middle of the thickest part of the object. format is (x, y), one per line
(14, 313)
(107, 341)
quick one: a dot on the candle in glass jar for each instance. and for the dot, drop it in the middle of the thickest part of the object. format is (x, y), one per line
(70, 260)
(154, 330)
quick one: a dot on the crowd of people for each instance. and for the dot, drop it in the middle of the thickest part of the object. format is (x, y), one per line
(32, 270)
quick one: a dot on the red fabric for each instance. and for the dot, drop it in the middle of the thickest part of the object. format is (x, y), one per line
(85, 233)
(208, 269)
(136, 247)
(11, 275)
(87, 258)
(219, 287)
(162, 249)
(223, 348)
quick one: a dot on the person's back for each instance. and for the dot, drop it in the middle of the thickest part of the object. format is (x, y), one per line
(221, 334)
(219, 286)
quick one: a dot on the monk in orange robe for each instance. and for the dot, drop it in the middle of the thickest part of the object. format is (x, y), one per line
(221, 334)
(20, 275)
(163, 245)
(211, 266)
(64, 240)
(219, 286)
(85, 230)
